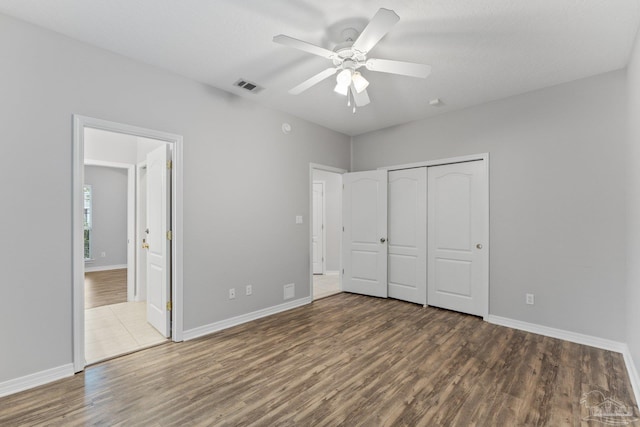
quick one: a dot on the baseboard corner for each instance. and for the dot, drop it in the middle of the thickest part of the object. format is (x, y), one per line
(632, 371)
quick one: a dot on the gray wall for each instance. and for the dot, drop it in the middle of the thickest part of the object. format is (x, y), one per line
(333, 216)
(109, 228)
(245, 181)
(557, 196)
(633, 204)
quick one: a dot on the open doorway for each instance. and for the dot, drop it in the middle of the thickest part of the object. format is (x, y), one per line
(116, 318)
(326, 230)
(127, 210)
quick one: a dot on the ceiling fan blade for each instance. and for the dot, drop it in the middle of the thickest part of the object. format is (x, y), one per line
(398, 67)
(304, 46)
(379, 25)
(361, 99)
(313, 81)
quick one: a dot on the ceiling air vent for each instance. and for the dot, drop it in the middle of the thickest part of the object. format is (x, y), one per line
(249, 86)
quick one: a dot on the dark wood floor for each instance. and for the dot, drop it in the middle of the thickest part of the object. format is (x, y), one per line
(105, 288)
(343, 360)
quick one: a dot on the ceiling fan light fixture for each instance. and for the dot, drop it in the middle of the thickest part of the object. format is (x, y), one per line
(341, 89)
(344, 77)
(359, 82)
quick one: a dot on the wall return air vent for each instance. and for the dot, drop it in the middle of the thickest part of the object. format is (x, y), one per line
(248, 86)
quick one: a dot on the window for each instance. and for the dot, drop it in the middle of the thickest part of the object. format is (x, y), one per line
(88, 220)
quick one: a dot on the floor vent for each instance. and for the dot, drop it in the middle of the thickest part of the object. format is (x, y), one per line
(249, 86)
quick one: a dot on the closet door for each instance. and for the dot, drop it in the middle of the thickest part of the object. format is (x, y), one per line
(365, 233)
(407, 260)
(457, 237)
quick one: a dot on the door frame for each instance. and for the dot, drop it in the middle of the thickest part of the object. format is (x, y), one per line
(325, 168)
(137, 232)
(323, 231)
(177, 172)
(462, 159)
(131, 215)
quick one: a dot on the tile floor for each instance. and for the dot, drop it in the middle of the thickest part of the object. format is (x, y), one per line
(113, 330)
(324, 285)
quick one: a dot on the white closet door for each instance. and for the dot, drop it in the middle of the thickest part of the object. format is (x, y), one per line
(365, 233)
(318, 227)
(408, 235)
(457, 237)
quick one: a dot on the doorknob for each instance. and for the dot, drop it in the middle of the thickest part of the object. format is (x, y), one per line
(479, 246)
(145, 246)
(382, 240)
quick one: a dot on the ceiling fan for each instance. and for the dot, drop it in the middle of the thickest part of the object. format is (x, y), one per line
(351, 55)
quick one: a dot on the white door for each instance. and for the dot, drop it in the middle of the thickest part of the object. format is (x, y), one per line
(158, 225)
(365, 233)
(458, 237)
(408, 235)
(318, 227)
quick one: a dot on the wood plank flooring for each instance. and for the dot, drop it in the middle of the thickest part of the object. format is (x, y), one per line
(343, 360)
(105, 288)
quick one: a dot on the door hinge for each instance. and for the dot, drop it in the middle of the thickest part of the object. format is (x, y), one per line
(343, 271)
(169, 164)
(169, 235)
(168, 305)
(343, 229)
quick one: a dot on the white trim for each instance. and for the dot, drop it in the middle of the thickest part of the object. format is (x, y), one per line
(331, 273)
(104, 268)
(138, 233)
(312, 167)
(131, 218)
(243, 318)
(633, 372)
(79, 124)
(323, 220)
(562, 334)
(36, 379)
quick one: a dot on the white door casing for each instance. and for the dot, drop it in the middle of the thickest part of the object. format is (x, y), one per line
(318, 227)
(407, 239)
(158, 254)
(457, 237)
(141, 236)
(365, 233)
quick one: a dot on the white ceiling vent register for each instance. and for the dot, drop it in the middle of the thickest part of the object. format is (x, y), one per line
(248, 86)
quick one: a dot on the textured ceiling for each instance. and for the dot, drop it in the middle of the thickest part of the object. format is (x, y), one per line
(479, 50)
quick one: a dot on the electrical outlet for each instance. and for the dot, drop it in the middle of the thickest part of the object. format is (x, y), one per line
(232, 293)
(529, 299)
(103, 254)
(248, 290)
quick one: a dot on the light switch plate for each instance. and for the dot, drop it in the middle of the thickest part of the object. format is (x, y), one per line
(298, 219)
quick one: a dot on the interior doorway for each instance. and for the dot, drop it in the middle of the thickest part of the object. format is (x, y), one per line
(124, 306)
(326, 230)
(116, 311)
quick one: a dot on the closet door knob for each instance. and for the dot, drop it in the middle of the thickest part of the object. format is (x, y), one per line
(479, 246)
(382, 240)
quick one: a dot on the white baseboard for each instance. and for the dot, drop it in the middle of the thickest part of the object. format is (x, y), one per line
(104, 268)
(331, 273)
(575, 337)
(34, 380)
(633, 373)
(244, 318)
(616, 346)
